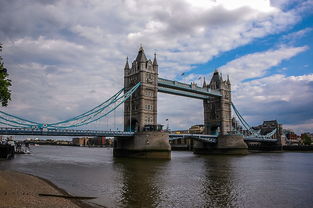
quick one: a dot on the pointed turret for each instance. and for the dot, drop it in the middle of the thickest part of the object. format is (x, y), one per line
(141, 57)
(228, 82)
(216, 80)
(204, 83)
(155, 63)
(126, 65)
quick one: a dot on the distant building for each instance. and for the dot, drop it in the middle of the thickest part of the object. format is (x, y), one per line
(92, 141)
(82, 141)
(291, 138)
(268, 127)
(196, 129)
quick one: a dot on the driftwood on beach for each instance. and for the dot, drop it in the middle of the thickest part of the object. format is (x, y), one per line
(68, 196)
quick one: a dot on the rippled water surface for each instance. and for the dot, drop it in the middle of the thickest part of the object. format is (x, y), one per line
(187, 180)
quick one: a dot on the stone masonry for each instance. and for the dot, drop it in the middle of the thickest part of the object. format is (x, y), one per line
(217, 110)
(141, 108)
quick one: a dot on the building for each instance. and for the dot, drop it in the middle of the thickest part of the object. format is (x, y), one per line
(82, 141)
(269, 126)
(92, 141)
(196, 129)
(291, 137)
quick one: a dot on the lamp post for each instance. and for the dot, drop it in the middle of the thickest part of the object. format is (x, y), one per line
(168, 124)
(130, 113)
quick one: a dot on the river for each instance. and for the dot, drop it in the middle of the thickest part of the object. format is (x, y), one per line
(187, 180)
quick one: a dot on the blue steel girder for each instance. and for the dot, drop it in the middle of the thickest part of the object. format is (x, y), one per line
(187, 90)
(182, 93)
(62, 132)
(258, 139)
(201, 137)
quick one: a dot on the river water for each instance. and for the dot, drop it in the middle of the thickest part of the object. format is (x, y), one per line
(187, 180)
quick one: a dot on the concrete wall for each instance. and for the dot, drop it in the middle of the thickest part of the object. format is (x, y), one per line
(143, 145)
(226, 144)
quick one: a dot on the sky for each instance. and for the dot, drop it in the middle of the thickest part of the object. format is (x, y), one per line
(65, 57)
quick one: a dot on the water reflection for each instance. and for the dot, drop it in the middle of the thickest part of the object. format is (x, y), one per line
(219, 184)
(188, 180)
(140, 185)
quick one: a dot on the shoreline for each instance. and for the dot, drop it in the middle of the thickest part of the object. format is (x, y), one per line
(18, 189)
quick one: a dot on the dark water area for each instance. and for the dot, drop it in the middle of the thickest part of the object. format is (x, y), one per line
(187, 180)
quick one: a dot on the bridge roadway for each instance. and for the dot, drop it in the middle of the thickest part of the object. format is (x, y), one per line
(213, 138)
(62, 132)
(72, 132)
(200, 137)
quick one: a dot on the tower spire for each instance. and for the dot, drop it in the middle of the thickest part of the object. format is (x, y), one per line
(141, 57)
(204, 83)
(155, 63)
(228, 81)
(126, 64)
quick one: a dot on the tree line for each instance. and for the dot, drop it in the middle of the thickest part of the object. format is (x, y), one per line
(5, 83)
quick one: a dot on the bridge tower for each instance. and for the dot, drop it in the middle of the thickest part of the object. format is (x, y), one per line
(217, 119)
(141, 109)
(217, 110)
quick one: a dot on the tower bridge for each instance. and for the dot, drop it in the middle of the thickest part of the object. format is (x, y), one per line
(139, 96)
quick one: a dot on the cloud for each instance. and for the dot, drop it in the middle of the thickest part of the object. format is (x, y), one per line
(257, 64)
(294, 36)
(258, 97)
(302, 127)
(66, 56)
(285, 98)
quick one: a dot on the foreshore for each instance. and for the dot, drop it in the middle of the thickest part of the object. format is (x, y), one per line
(22, 190)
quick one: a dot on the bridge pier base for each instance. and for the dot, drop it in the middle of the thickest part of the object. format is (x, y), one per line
(150, 145)
(265, 147)
(226, 144)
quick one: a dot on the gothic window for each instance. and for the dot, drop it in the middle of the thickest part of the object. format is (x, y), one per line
(149, 78)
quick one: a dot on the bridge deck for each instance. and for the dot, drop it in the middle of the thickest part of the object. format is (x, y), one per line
(201, 137)
(61, 132)
(187, 90)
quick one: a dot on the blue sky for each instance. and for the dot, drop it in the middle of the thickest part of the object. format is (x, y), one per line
(64, 57)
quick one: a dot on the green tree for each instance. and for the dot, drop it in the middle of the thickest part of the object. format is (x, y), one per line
(306, 139)
(5, 83)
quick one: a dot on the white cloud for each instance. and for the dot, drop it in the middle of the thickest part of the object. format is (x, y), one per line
(285, 98)
(70, 54)
(257, 64)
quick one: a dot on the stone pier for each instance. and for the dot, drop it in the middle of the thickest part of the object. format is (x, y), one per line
(148, 144)
(226, 144)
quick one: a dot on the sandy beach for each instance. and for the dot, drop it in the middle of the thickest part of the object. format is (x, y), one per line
(22, 190)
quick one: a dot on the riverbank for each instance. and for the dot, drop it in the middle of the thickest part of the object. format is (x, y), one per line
(22, 190)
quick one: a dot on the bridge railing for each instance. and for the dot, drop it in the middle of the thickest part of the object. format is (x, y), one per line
(61, 132)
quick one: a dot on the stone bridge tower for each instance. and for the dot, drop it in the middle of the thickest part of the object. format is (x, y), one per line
(217, 110)
(141, 108)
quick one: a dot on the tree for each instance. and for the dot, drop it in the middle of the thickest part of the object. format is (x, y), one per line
(5, 83)
(306, 139)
